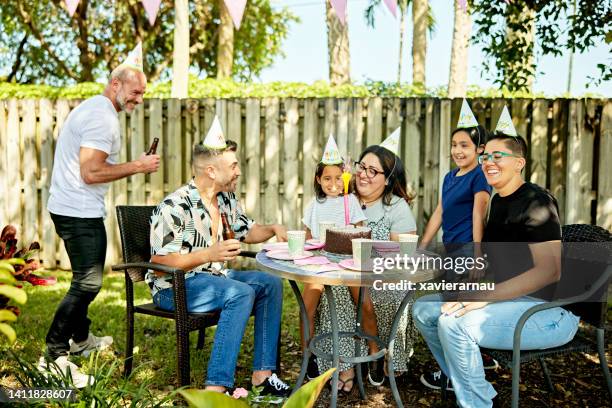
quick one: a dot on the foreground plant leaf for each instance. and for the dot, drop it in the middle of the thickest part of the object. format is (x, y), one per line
(210, 399)
(307, 395)
(9, 332)
(11, 292)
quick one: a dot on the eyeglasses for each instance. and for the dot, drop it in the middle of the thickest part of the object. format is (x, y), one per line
(495, 157)
(370, 172)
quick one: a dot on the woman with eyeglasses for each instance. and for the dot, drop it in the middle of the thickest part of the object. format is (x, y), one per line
(380, 185)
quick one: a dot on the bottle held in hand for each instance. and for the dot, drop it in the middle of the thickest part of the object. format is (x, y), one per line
(153, 148)
(228, 232)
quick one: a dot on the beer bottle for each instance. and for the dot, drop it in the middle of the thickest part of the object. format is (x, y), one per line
(228, 232)
(153, 147)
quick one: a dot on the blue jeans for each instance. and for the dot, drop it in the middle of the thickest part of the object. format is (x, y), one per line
(455, 342)
(236, 296)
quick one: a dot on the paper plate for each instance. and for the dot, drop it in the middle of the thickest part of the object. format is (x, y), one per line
(284, 255)
(349, 264)
(278, 246)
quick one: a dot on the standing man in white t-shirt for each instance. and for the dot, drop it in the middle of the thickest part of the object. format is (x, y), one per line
(86, 160)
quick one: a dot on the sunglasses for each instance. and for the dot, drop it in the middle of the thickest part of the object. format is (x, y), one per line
(495, 157)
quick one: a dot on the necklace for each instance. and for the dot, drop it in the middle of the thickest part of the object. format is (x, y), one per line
(363, 203)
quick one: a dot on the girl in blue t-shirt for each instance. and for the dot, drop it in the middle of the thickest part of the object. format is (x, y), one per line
(328, 206)
(462, 209)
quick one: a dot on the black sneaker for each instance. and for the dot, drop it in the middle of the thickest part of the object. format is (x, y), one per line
(274, 390)
(312, 371)
(488, 362)
(376, 372)
(434, 381)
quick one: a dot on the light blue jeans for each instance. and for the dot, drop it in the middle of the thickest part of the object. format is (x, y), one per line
(235, 297)
(455, 342)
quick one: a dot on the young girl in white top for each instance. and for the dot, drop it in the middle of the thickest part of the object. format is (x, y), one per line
(328, 206)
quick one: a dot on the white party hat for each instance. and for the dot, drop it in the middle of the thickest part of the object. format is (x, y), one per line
(214, 138)
(466, 117)
(392, 142)
(331, 155)
(134, 58)
(505, 125)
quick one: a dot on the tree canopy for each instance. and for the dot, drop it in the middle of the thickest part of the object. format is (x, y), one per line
(43, 44)
(559, 26)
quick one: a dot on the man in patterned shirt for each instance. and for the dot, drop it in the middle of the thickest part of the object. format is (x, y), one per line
(186, 233)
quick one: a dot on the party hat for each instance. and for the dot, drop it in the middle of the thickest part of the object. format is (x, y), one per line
(505, 125)
(134, 58)
(466, 117)
(331, 155)
(392, 142)
(214, 138)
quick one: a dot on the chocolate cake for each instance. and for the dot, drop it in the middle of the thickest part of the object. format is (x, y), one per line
(338, 239)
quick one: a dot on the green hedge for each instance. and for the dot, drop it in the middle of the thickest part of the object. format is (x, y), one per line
(212, 88)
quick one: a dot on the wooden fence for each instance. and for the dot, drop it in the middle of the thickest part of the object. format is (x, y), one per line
(281, 141)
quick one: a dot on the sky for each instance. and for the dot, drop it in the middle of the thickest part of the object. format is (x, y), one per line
(374, 52)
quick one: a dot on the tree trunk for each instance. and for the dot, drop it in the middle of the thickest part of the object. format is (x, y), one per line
(225, 50)
(338, 48)
(457, 81)
(401, 44)
(525, 38)
(419, 41)
(180, 67)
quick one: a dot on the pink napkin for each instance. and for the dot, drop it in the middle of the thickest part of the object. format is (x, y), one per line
(329, 267)
(313, 260)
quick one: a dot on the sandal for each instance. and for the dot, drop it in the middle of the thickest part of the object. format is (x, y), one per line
(343, 383)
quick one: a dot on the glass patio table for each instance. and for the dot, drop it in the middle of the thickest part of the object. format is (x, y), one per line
(307, 274)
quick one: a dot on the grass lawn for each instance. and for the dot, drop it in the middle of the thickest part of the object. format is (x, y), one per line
(578, 377)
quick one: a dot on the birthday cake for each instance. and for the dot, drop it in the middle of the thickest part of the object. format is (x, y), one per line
(338, 239)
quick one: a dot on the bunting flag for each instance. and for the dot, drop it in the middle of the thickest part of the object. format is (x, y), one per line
(463, 5)
(151, 8)
(392, 6)
(72, 6)
(236, 10)
(340, 7)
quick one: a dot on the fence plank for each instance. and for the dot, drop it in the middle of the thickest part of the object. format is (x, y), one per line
(394, 115)
(4, 166)
(558, 155)
(156, 129)
(374, 135)
(520, 115)
(272, 160)
(342, 134)
(48, 252)
(444, 143)
(355, 128)
(13, 215)
(329, 121)
(30, 170)
(291, 212)
(253, 159)
(580, 162)
(188, 112)
(604, 193)
(431, 163)
(539, 142)
(312, 149)
(174, 146)
(137, 146)
(62, 111)
(412, 156)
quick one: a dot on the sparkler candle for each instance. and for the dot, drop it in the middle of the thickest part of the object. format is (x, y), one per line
(346, 178)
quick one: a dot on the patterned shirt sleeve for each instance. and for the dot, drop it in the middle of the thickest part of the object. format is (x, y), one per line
(167, 228)
(241, 223)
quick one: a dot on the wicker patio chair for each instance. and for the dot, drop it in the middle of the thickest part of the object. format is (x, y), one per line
(134, 227)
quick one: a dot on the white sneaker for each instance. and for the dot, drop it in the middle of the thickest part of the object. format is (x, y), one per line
(65, 368)
(91, 344)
